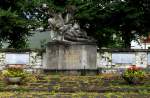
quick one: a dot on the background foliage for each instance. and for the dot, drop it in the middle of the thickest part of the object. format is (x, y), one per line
(113, 23)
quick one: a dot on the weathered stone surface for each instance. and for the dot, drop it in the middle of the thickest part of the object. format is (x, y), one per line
(74, 56)
(35, 60)
(2, 60)
(69, 55)
(104, 59)
(141, 59)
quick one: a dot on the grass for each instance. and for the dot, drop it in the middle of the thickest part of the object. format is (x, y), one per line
(108, 85)
(71, 95)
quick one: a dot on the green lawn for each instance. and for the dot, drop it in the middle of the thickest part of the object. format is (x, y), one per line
(71, 95)
(60, 86)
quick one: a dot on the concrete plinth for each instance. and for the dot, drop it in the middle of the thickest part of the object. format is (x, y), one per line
(70, 55)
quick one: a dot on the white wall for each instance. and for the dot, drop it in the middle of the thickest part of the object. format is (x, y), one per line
(136, 45)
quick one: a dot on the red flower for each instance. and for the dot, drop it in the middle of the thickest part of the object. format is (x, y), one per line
(130, 68)
(134, 68)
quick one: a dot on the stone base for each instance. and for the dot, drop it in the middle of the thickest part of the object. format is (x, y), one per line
(62, 55)
(81, 72)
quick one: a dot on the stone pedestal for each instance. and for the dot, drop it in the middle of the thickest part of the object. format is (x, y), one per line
(62, 55)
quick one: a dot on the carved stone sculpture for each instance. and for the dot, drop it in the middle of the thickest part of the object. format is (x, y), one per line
(66, 29)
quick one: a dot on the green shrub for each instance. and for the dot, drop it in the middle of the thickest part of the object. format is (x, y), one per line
(31, 78)
(134, 75)
(13, 72)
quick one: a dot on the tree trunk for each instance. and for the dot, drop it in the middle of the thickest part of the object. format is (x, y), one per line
(127, 39)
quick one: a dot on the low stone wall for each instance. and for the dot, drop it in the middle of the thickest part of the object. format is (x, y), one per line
(35, 57)
(107, 58)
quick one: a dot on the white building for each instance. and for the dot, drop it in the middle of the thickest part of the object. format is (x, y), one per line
(143, 43)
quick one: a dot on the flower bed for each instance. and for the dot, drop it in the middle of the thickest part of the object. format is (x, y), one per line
(134, 75)
(13, 75)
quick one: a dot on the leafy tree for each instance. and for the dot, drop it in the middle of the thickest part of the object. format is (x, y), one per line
(113, 23)
(123, 18)
(13, 27)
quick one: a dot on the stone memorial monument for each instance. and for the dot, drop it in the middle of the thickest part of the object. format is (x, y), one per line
(71, 48)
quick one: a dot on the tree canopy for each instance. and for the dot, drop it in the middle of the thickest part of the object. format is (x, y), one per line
(113, 23)
(124, 18)
(13, 27)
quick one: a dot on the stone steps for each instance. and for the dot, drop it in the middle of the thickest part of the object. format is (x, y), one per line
(70, 86)
(79, 95)
(2, 84)
(74, 89)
